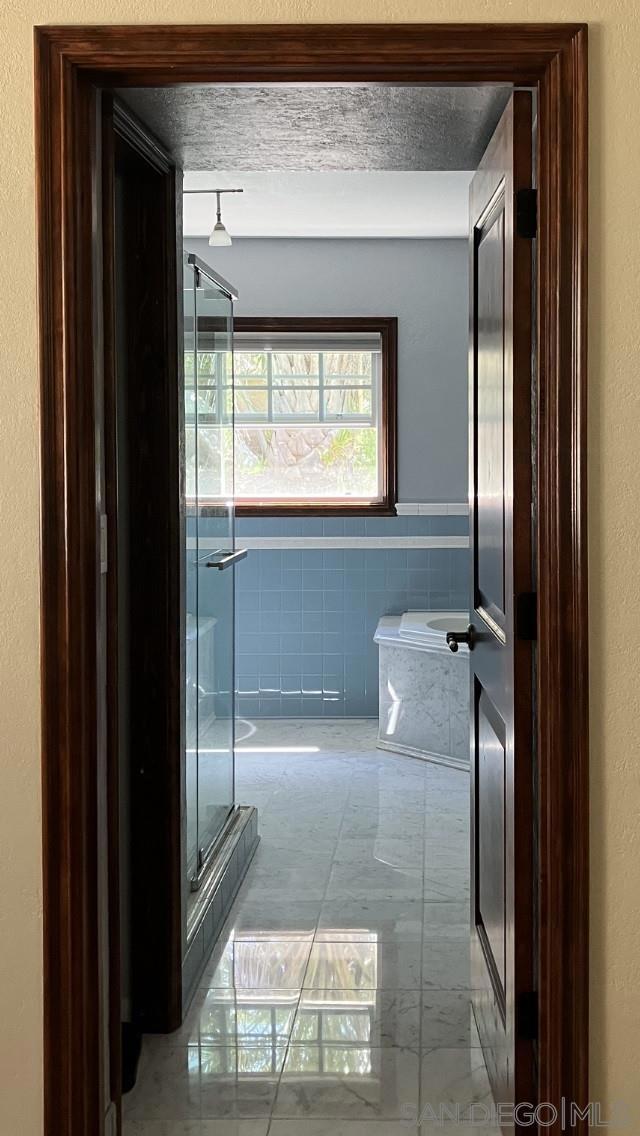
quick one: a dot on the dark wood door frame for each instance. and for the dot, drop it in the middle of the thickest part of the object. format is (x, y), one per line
(71, 64)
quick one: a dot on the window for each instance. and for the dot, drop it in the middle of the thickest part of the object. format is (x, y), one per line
(314, 411)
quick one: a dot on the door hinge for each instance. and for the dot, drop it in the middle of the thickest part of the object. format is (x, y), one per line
(527, 1016)
(527, 616)
(527, 213)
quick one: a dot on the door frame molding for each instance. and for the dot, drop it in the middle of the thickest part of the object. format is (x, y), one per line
(71, 64)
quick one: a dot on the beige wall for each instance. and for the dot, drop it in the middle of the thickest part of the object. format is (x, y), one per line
(615, 481)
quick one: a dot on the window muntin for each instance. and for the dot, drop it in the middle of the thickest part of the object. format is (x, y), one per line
(307, 416)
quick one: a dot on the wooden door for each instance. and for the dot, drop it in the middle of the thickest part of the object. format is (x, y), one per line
(502, 222)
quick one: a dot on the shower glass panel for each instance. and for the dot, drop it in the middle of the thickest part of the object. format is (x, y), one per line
(208, 338)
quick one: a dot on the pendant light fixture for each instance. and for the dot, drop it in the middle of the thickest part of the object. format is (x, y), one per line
(219, 235)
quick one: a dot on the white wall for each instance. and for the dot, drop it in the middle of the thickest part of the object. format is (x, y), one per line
(424, 284)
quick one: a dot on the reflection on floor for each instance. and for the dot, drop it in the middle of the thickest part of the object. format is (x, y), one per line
(337, 1002)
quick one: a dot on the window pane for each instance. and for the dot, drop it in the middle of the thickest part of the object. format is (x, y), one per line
(296, 403)
(350, 367)
(295, 363)
(207, 402)
(249, 366)
(315, 461)
(208, 365)
(215, 460)
(252, 402)
(354, 402)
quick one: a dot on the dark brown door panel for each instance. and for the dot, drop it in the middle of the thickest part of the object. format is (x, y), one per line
(500, 385)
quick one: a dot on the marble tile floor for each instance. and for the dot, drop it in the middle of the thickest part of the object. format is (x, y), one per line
(337, 1001)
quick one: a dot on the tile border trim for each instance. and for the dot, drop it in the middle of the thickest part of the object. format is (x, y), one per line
(311, 542)
(432, 509)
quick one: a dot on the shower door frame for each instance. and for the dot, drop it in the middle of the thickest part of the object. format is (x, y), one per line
(201, 269)
(71, 63)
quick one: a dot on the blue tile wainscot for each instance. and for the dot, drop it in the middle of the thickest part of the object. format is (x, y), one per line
(306, 616)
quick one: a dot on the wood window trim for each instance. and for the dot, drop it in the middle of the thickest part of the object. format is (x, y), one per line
(70, 63)
(387, 328)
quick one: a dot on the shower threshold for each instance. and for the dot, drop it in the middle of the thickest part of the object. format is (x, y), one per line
(209, 906)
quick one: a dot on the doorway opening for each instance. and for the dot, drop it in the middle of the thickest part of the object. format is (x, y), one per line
(326, 613)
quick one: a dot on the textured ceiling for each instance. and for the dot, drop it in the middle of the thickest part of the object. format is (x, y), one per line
(308, 127)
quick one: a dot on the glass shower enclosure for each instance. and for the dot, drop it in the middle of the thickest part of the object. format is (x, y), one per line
(210, 559)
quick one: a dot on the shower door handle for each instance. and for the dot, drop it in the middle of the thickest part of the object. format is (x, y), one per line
(227, 558)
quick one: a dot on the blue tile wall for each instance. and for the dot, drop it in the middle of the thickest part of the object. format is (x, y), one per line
(306, 618)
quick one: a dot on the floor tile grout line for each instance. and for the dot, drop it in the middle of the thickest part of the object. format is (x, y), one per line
(420, 1028)
(333, 861)
(282, 1067)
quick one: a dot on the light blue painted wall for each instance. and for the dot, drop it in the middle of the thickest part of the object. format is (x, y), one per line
(424, 284)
